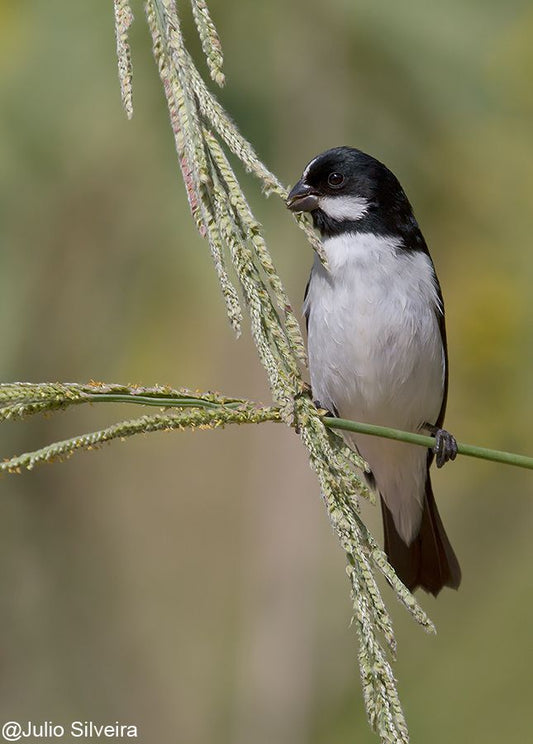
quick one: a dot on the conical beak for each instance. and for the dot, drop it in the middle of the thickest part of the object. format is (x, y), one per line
(302, 198)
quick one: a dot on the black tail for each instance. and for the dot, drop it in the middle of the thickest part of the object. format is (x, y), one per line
(429, 562)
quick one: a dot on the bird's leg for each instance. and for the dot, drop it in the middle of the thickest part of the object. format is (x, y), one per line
(445, 445)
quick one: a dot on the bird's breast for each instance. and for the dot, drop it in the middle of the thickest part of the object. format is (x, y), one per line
(375, 348)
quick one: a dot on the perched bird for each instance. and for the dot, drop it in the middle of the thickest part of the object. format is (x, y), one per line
(377, 347)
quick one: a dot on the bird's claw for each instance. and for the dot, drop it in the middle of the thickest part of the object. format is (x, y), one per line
(445, 447)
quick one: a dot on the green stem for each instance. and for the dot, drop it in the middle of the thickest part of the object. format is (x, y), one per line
(158, 401)
(508, 458)
(470, 450)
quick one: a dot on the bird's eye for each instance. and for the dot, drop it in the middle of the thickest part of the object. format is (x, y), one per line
(335, 180)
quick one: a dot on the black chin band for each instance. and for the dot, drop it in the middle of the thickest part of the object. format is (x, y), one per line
(398, 224)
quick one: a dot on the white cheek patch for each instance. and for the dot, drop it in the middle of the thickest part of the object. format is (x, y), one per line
(344, 207)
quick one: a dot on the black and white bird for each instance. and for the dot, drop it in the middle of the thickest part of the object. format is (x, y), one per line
(377, 347)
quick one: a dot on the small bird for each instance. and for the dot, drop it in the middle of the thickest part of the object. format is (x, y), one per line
(377, 347)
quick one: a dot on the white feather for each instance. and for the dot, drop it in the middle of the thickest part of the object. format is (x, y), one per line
(343, 207)
(308, 167)
(376, 355)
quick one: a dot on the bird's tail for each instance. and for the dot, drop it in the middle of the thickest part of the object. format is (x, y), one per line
(429, 562)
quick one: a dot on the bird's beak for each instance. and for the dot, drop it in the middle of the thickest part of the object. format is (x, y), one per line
(302, 198)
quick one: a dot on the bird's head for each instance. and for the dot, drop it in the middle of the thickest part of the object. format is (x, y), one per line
(342, 186)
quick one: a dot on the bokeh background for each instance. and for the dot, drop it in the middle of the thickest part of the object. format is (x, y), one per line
(190, 583)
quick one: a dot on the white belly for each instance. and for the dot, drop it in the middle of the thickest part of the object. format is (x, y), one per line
(376, 355)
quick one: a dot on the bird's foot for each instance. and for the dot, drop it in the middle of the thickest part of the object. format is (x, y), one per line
(445, 445)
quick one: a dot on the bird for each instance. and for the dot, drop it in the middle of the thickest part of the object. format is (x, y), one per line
(377, 349)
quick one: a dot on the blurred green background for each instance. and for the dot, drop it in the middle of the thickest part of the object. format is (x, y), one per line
(190, 583)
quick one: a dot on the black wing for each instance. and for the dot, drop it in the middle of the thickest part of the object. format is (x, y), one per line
(442, 328)
(306, 313)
